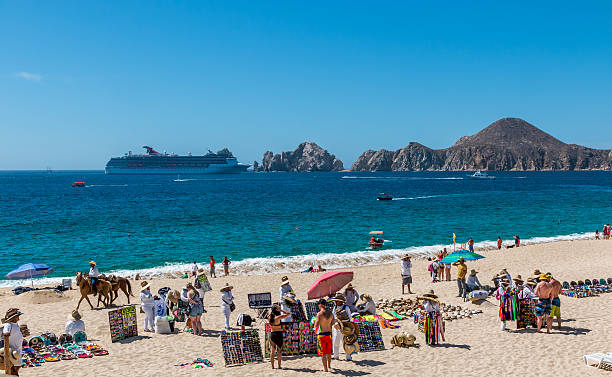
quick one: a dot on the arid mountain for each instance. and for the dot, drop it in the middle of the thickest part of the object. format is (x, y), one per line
(507, 144)
(308, 156)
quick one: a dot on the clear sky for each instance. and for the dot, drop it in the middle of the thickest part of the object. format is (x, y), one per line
(81, 81)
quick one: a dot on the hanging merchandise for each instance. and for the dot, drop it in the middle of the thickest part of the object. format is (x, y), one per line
(241, 347)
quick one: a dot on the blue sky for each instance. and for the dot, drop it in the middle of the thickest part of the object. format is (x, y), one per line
(83, 80)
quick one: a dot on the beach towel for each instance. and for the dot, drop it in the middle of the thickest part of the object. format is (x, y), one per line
(395, 314)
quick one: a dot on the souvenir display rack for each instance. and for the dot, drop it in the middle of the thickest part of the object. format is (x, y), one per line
(526, 316)
(298, 339)
(370, 337)
(122, 323)
(241, 347)
(312, 308)
(297, 311)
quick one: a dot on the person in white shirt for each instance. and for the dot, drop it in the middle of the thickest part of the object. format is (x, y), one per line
(432, 307)
(368, 307)
(147, 304)
(406, 273)
(285, 291)
(93, 276)
(74, 324)
(472, 281)
(338, 337)
(194, 269)
(527, 291)
(351, 295)
(227, 301)
(13, 341)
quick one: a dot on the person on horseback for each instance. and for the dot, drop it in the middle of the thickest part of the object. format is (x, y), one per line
(93, 276)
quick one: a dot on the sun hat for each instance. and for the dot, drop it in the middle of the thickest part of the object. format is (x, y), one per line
(349, 286)
(548, 274)
(430, 294)
(227, 288)
(284, 280)
(462, 259)
(543, 277)
(365, 297)
(530, 281)
(406, 257)
(503, 272)
(144, 285)
(10, 314)
(518, 278)
(25, 331)
(338, 297)
(75, 315)
(93, 262)
(13, 356)
(473, 272)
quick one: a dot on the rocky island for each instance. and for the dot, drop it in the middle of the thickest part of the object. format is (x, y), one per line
(507, 144)
(307, 157)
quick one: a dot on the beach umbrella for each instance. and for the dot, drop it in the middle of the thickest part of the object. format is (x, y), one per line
(328, 283)
(453, 257)
(29, 271)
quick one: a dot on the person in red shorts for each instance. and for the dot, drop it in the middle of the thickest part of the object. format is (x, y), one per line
(323, 327)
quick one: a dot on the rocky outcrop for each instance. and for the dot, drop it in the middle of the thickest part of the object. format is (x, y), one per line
(308, 156)
(507, 144)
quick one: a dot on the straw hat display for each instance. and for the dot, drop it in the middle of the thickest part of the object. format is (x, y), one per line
(403, 340)
(408, 307)
(227, 288)
(13, 357)
(144, 285)
(10, 314)
(284, 280)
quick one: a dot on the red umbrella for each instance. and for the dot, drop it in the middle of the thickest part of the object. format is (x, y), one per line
(328, 283)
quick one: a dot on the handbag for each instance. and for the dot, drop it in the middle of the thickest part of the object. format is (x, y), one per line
(232, 306)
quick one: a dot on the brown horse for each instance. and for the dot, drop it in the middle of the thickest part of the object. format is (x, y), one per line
(118, 282)
(104, 289)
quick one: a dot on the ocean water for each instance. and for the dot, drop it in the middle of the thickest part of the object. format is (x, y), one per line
(281, 221)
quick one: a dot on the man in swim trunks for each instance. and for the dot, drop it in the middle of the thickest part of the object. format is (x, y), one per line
(323, 326)
(544, 291)
(555, 306)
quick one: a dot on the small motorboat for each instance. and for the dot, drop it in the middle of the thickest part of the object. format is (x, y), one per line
(480, 175)
(78, 184)
(377, 241)
(383, 196)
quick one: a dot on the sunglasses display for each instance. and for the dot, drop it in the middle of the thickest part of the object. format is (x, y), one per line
(370, 337)
(299, 338)
(241, 347)
(296, 310)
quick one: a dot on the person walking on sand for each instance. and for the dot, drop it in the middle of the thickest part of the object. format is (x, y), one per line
(226, 262)
(147, 304)
(227, 303)
(543, 291)
(13, 342)
(461, 272)
(471, 245)
(276, 334)
(499, 243)
(323, 327)
(517, 241)
(93, 276)
(212, 267)
(194, 269)
(406, 273)
(555, 302)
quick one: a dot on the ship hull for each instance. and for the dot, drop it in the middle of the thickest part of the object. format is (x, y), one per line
(211, 169)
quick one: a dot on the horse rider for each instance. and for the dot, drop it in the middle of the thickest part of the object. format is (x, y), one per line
(93, 276)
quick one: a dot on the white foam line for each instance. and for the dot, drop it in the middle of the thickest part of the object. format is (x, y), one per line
(260, 266)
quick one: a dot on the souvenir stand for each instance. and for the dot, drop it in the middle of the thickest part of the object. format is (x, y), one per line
(122, 323)
(370, 337)
(312, 308)
(241, 347)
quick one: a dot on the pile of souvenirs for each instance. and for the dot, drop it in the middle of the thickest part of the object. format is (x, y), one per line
(586, 288)
(412, 308)
(47, 348)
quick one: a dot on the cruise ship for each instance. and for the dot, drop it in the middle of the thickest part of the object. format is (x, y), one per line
(153, 162)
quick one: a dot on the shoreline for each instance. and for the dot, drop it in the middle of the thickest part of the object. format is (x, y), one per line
(299, 263)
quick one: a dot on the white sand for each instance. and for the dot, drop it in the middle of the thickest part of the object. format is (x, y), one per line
(474, 347)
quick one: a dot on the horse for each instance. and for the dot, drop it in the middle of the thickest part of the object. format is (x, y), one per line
(104, 288)
(118, 282)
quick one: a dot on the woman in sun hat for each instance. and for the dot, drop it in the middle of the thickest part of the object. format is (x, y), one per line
(285, 292)
(433, 325)
(74, 324)
(13, 342)
(368, 306)
(147, 304)
(227, 303)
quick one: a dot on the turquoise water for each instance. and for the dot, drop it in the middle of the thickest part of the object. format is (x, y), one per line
(152, 223)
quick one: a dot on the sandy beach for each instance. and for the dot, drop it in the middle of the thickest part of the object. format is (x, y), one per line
(473, 347)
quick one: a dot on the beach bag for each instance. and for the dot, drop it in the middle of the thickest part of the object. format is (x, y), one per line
(232, 307)
(162, 325)
(430, 267)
